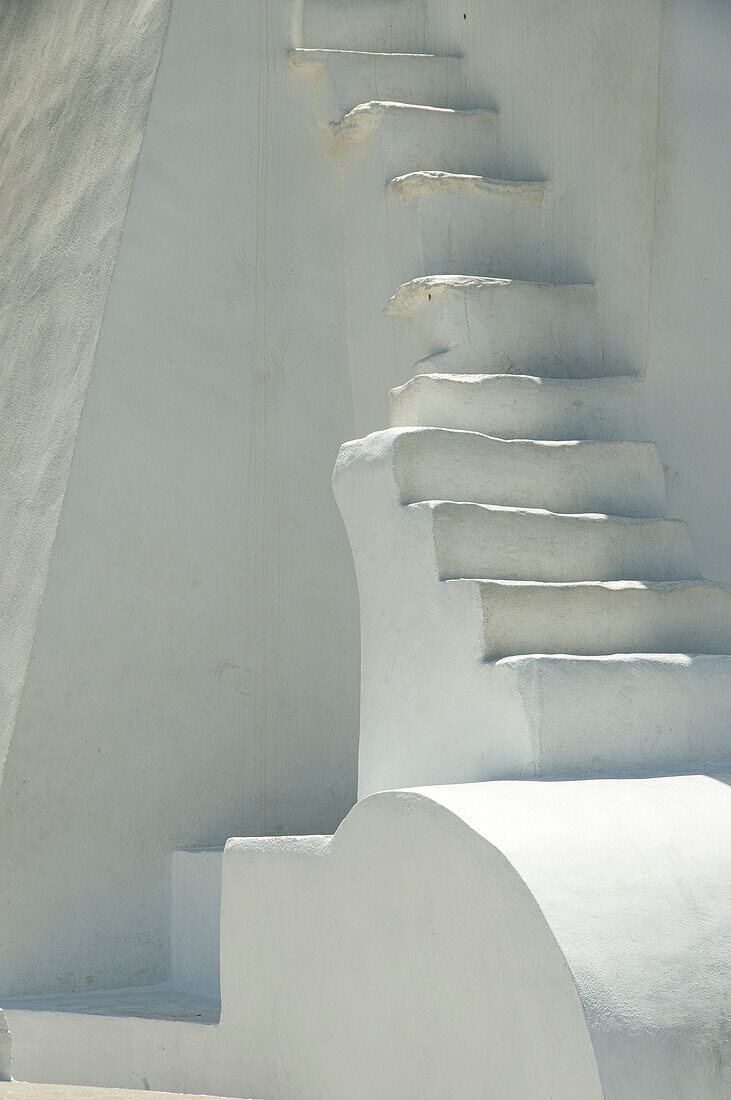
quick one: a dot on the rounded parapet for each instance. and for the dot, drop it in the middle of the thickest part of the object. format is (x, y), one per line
(573, 932)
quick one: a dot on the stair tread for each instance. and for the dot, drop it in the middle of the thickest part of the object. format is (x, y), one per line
(365, 118)
(613, 586)
(522, 406)
(547, 445)
(382, 107)
(608, 381)
(416, 291)
(593, 517)
(158, 1002)
(433, 180)
(679, 663)
(303, 53)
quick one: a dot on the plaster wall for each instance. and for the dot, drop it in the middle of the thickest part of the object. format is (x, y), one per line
(505, 939)
(195, 673)
(576, 87)
(75, 84)
(195, 667)
(688, 396)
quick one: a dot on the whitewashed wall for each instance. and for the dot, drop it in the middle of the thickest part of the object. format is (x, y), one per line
(195, 667)
(75, 84)
(688, 395)
(194, 673)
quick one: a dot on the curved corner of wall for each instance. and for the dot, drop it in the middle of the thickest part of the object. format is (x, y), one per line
(77, 79)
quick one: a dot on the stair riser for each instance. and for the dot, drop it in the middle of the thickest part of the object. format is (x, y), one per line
(404, 139)
(535, 620)
(195, 919)
(515, 409)
(506, 328)
(477, 542)
(357, 78)
(455, 228)
(623, 479)
(626, 715)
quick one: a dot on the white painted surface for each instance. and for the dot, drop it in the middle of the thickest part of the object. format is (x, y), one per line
(76, 80)
(194, 670)
(515, 406)
(195, 914)
(688, 397)
(195, 667)
(501, 939)
(468, 324)
(446, 588)
(624, 714)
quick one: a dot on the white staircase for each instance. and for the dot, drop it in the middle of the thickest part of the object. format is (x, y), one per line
(509, 514)
(528, 612)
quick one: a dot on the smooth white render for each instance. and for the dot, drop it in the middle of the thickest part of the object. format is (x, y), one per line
(471, 206)
(71, 123)
(438, 946)
(447, 589)
(195, 667)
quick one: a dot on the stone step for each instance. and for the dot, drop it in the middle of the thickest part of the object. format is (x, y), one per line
(462, 324)
(442, 464)
(519, 406)
(481, 540)
(606, 617)
(434, 184)
(447, 221)
(625, 714)
(356, 76)
(194, 920)
(414, 135)
(366, 24)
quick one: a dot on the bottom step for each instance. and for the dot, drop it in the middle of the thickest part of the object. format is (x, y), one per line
(628, 714)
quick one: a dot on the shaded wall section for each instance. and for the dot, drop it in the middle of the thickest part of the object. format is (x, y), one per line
(195, 668)
(75, 83)
(688, 396)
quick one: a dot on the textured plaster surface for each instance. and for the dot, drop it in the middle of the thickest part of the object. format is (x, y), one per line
(76, 79)
(509, 939)
(195, 666)
(688, 396)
